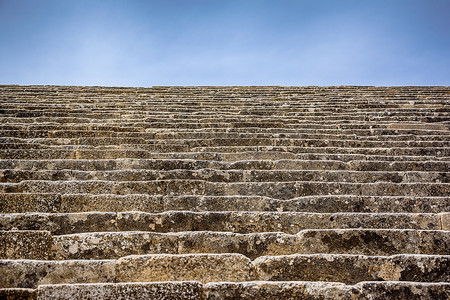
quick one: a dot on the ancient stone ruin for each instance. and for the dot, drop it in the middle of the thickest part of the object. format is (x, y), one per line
(224, 192)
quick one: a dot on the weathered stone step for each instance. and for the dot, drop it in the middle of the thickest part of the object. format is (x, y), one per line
(237, 222)
(241, 142)
(353, 268)
(236, 114)
(271, 290)
(285, 114)
(240, 126)
(70, 203)
(103, 102)
(330, 151)
(281, 119)
(323, 110)
(257, 161)
(138, 127)
(71, 136)
(149, 150)
(20, 294)
(277, 190)
(80, 100)
(217, 175)
(349, 269)
(113, 245)
(305, 153)
(187, 290)
(231, 107)
(218, 102)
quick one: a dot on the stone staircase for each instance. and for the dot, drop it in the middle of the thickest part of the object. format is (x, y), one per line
(224, 192)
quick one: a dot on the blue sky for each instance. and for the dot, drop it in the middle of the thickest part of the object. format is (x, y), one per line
(210, 42)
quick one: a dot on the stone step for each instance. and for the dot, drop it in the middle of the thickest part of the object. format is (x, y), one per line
(215, 175)
(71, 136)
(276, 127)
(276, 161)
(329, 151)
(278, 190)
(339, 125)
(353, 268)
(71, 203)
(19, 293)
(102, 102)
(235, 108)
(349, 269)
(227, 142)
(97, 245)
(271, 290)
(304, 153)
(125, 128)
(429, 120)
(236, 222)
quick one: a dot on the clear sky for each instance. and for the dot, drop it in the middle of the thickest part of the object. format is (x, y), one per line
(225, 42)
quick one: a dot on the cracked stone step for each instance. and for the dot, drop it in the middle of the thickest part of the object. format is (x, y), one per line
(330, 153)
(237, 222)
(244, 142)
(71, 203)
(139, 291)
(139, 127)
(277, 190)
(239, 108)
(244, 161)
(349, 269)
(148, 151)
(322, 111)
(97, 245)
(306, 290)
(214, 175)
(242, 107)
(52, 136)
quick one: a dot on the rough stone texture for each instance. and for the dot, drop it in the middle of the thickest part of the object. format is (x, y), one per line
(18, 294)
(32, 273)
(277, 290)
(22, 203)
(239, 222)
(326, 290)
(253, 245)
(352, 269)
(248, 290)
(375, 242)
(198, 267)
(122, 291)
(25, 244)
(445, 221)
